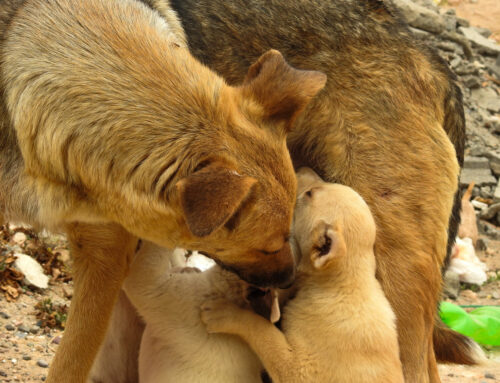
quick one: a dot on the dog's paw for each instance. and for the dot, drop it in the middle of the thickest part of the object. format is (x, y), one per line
(219, 316)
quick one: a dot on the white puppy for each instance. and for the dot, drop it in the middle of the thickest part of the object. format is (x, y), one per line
(176, 346)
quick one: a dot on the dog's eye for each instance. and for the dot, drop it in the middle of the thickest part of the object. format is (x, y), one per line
(309, 193)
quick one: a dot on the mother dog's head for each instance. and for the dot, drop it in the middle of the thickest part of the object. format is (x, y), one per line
(238, 201)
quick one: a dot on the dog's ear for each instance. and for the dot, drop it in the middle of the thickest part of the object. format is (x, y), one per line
(210, 196)
(328, 243)
(281, 90)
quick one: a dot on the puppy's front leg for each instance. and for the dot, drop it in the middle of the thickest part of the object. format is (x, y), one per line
(101, 255)
(269, 343)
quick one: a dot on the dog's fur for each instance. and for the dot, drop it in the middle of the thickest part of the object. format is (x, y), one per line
(339, 327)
(111, 130)
(389, 124)
(175, 346)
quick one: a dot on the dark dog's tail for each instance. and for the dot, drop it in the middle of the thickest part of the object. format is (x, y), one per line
(452, 347)
(454, 126)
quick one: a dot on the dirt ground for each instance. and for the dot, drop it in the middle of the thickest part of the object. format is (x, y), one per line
(480, 13)
(28, 344)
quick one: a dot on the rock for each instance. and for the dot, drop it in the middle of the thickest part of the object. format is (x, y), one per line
(3, 373)
(451, 284)
(486, 98)
(489, 230)
(483, 44)
(472, 82)
(495, 295)
(34, 329)
(489, 375)
(494, 162)
(42, 363)
(23, 328)
(496, 195)
(490, 212)
(9, 327)
(26, 357)
(493, 123)
(481, 177)
(32, 271)
(485, 32)
(482, 244)
(463, 22)
(420, 17)
(446, 46)
(4, 315)
(486, 192)
(471, 162)
(19, 238)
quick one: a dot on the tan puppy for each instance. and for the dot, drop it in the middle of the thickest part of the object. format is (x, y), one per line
(175, 346)
(339, 327)
(110, 130)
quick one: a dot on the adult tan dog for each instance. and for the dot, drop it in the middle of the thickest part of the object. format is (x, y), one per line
(110, 130)
(389, 124)
(339, 327)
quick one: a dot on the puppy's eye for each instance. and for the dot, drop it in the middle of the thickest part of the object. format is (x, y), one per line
(309, 193)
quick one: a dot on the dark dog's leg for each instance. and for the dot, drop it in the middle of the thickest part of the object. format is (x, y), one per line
(101, 256)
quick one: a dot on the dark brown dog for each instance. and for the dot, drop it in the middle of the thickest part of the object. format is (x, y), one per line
(390, 125)
(111, 130)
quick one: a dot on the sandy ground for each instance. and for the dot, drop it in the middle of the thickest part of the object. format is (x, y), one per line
(26, 349)
(480, 13)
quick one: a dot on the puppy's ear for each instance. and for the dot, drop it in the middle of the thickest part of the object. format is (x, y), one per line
(281, 90)
(328, 243)
(210, 196)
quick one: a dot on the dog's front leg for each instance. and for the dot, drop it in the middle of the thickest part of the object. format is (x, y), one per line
(101, 256)
(269, 343)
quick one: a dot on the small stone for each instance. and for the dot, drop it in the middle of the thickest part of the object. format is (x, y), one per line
(495, 295)
(489, 375)
(451, 284)
(490, 212)
(472, 82)
(4, 315)
(482, 244)
(21, 335)
(446, 46)
(3, 373)
(9, 327)
(34, 329)
(19, 238)
(471, 162)
(463, 22)
(481, 177)
(493, 123)
(26, 357)
(56, 340)
(32, 270)
(496, 195)
(23, 328)
(483, 44)
(42, 363)
(485, 32)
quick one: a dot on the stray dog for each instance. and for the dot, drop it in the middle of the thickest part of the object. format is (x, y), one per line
(389, 124)
(110, 130)
(339, 327)
(175, 345)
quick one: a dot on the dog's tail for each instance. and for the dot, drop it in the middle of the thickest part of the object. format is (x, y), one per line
(452, 347)
(454, 126)
(468, 192)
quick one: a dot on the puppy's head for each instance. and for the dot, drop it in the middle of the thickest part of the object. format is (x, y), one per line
(330, 222)
(238, 201)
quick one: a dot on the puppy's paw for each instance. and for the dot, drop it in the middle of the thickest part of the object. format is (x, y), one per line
(220, 316)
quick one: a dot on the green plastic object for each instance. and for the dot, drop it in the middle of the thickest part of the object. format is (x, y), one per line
(481, 324)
